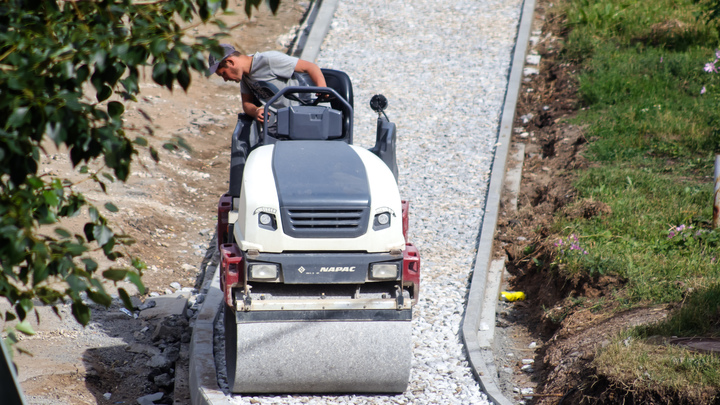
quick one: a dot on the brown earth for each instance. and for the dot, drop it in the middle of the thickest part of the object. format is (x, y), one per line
(170, 209)
(568, 319)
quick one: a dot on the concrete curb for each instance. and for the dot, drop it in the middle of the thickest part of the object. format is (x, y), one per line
(480, 356)
(204, 388)
(320, 25)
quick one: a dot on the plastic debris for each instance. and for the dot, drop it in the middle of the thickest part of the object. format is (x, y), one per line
(512, 296)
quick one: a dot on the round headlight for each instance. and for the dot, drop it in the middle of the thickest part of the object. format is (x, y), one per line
(383, 219)
(265, 219)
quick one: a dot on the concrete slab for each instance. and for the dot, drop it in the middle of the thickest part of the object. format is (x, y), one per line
(167, 305)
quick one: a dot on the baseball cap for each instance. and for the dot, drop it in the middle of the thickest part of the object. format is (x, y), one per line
(213, 62)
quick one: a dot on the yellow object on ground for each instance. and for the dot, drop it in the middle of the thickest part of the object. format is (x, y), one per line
(512, 295)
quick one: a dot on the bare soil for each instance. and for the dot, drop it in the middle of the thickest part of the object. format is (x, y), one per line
(170, 209)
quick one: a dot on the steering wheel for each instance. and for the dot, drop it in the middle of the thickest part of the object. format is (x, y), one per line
(329, 96)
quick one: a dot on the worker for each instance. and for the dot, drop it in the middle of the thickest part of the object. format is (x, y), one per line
(262, 75)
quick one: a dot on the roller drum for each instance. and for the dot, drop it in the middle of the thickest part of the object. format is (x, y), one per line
(318, 356)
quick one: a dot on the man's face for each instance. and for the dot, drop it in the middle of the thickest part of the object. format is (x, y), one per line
(228, 70)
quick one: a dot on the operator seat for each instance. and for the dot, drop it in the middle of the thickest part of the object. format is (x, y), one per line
(246, 135)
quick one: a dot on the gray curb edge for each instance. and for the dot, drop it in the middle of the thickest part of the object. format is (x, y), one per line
(319, 29)
(203, 384)
(480, 356)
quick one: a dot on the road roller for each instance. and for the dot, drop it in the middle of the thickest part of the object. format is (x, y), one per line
(318, 276)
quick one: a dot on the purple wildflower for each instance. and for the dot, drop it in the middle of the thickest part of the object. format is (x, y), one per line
(680, 228)
(710, 67)
(559, 242)
(703, 90)
(717, 54)
(661, 59)
(671, 234)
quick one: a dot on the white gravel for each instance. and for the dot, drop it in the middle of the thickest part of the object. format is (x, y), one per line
(444, 68)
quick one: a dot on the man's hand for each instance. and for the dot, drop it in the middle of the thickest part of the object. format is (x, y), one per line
(259, 114)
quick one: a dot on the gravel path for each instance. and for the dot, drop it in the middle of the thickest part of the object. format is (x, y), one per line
(443, 67)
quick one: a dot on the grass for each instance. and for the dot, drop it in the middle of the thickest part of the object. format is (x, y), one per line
(652, 116)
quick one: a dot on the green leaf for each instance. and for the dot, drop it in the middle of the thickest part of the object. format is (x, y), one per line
(104, 93)
(115, 109)
(183, 77)
(89, 231)
(125, 299)
(115, 274)
(90, 265)
(51, 198)
(75, 249)
(77, 284)
(111, 207)
(62, 232)
(141, 141)
(154, 154)
(101, 297)
(17, 117)
(81, 312)
(25, 328)
(135, 279)
(94, 214)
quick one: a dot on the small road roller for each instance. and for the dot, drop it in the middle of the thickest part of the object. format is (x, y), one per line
(318, 276)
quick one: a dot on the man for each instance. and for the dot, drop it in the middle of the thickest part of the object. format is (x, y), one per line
(261, 75)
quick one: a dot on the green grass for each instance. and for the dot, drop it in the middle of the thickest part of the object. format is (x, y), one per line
(653, 135)
(652, 116)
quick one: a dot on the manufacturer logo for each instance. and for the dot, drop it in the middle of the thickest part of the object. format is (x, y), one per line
(301, 269)
(337, 269)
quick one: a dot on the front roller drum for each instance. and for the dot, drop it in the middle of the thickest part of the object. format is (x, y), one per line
(317, 356)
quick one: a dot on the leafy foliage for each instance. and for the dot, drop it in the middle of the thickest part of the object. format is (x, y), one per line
(66, 70)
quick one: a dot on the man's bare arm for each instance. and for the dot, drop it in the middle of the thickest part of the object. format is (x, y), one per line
(249, 107)
(312, 70)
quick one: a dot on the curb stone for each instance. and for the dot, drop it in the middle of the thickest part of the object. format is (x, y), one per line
(480, 355)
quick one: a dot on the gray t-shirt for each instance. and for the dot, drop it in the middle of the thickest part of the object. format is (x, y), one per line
(270, 72)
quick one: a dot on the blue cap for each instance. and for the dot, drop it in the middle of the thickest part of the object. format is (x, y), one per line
(214, 62)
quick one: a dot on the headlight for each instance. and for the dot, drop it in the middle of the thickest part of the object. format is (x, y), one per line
(267, 221)
(263, 271)
(383, 218)
(381, 221)
(384, 271)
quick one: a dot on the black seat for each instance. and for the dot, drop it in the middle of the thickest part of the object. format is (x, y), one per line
(340, 82)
